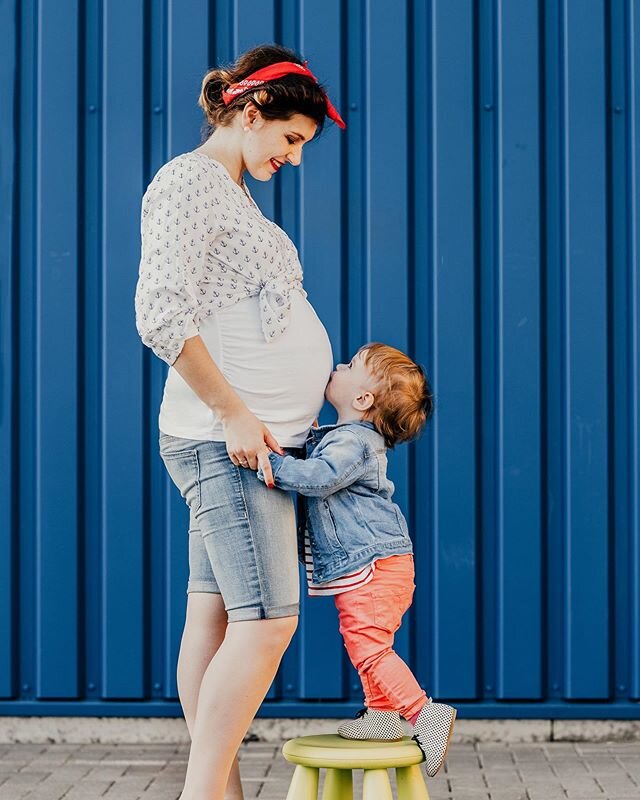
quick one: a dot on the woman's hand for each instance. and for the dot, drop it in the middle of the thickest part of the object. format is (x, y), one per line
(248, 442)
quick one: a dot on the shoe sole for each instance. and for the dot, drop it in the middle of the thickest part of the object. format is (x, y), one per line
(359, 739)
(444, 755)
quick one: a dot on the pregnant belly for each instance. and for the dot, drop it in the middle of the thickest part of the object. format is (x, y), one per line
(281, 381)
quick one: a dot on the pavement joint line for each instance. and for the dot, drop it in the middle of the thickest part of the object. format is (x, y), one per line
(125, 762)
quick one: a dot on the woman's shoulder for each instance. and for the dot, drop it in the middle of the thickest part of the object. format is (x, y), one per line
(186, 170)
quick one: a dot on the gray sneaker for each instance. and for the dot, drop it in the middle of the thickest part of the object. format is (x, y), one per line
(432, 733)
(373, 726)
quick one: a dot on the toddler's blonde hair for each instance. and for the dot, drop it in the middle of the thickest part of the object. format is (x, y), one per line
(403, 398)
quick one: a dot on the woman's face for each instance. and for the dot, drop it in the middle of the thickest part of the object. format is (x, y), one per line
(269, 144)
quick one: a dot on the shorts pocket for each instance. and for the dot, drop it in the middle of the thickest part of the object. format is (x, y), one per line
(184, 470)
(176, 445)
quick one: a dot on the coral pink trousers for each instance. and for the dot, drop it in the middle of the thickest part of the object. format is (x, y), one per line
(369, 617)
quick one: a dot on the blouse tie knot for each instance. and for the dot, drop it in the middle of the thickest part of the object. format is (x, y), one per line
(275, 304)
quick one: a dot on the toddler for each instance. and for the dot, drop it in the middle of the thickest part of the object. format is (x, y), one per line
(356, 544)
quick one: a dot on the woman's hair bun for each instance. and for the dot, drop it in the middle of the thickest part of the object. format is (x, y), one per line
(210, 100)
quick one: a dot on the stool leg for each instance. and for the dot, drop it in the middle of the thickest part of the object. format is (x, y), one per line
(375, 785)
(411, 784)
(338, 785)
(304, 784)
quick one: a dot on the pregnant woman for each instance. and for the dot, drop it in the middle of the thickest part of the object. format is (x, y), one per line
(220, 299)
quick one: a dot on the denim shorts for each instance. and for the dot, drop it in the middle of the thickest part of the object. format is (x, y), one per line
(242, 535)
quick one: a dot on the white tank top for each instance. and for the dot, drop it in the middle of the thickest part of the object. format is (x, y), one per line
(282, 381)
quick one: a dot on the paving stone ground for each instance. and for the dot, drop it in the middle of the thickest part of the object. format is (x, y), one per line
(481, 771)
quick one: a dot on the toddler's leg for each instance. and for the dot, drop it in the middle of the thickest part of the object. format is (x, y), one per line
(369, 618)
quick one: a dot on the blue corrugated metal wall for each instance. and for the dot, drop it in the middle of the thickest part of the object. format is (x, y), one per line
(481, 211)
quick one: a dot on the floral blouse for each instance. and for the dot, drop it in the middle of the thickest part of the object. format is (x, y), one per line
(205, 246)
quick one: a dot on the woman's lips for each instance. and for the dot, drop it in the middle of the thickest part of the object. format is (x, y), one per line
(275, 164)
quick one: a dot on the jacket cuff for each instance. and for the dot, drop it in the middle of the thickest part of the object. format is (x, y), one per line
(276, 462)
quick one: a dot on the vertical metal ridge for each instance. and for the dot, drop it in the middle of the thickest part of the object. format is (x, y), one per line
(516, 176)
(56, 373)
(552, 354)
(27, 309)
(485, 355)
(9, 347)
(453, 637)
(632, 90)
(620, 321)
(125, 623)
(91, 365)
(585, 377)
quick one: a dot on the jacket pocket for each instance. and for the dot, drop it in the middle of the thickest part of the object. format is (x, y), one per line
(330, 527)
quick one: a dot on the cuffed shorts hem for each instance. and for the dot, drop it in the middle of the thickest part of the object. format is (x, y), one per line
(247, 614)
(202, 586)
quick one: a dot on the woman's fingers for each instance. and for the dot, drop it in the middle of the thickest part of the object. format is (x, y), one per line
(246, 459)
(265, 466)
(272, 442)
(234, 458)
(238, 457)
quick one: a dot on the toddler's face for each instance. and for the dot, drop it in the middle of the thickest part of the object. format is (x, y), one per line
(349, 381)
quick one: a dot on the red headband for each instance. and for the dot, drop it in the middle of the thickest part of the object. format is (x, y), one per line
(270, 73)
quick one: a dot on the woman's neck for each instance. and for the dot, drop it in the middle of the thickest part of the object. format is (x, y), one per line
(222, 147)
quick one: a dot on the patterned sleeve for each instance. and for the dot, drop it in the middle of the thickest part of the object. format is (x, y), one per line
(172, 252)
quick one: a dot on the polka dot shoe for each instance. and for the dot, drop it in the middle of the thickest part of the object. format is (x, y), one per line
(374, 726)
(432, 733)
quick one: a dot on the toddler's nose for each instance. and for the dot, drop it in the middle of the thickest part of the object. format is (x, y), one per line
(341, 366)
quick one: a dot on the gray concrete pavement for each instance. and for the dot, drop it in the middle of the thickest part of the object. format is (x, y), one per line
(474, 771)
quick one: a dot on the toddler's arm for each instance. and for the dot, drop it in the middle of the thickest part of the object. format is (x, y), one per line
(338, 461)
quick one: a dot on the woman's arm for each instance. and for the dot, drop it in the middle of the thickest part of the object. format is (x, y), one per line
(166, 306)
(247, 439)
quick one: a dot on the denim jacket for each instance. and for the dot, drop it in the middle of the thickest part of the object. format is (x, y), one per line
(349, 514)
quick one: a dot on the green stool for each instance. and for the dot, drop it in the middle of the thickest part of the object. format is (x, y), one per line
(339, 756)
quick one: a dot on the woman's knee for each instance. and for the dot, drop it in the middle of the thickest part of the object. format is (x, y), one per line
(285, 627)
(274, 633)
(279, 630)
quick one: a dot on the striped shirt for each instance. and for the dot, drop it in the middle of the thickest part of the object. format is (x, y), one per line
(346, 583)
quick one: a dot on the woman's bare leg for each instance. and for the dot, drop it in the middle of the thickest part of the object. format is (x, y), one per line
(232, 689)
(204, 631)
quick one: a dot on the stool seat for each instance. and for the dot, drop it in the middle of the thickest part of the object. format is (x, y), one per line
(339, 757)
(331, 750)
